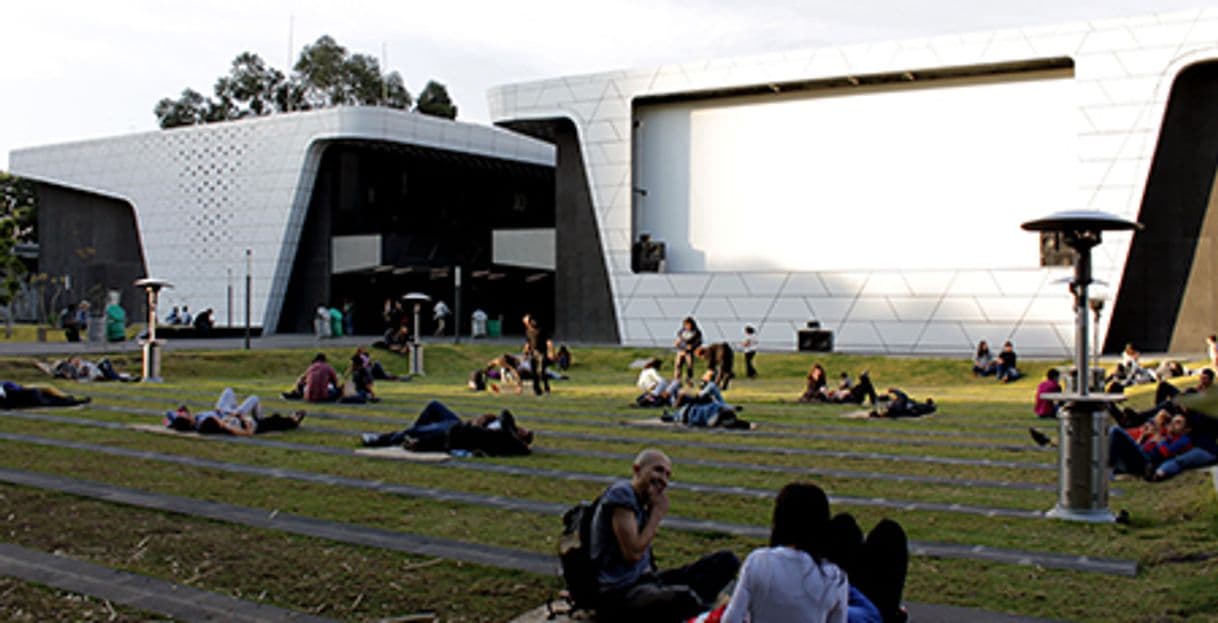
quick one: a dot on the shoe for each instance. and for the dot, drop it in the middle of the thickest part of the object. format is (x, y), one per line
(368, 439)
(712, 421)
(668, 417)
(374, 399)
(300, 416)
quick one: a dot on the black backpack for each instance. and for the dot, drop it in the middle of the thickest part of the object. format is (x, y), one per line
(575, 555)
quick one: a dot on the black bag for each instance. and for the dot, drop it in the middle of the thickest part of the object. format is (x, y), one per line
(575, 555)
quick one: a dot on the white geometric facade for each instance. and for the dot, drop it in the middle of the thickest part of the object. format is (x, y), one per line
(204, 194)
(1123, 71)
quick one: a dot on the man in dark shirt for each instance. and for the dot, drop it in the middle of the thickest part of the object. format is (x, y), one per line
(537, 347)
(720, 359)
(625, 523)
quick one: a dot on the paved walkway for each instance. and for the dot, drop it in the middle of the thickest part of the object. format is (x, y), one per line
(138, 591)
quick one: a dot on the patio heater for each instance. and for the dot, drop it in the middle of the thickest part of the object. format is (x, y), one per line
(152, 347)
(416, 347)
(1082, 474)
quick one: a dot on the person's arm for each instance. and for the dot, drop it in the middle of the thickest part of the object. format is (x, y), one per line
(633, 541)
(1174, 447)
(841, 610)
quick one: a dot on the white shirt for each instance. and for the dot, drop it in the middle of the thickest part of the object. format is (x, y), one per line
(648, 379)
(784, 585)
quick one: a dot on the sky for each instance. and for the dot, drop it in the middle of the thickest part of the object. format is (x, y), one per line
(72, 70)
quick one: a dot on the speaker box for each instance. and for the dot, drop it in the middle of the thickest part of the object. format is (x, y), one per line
(817, 340)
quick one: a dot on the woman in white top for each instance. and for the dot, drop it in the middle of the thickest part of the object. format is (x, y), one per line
(791, 581)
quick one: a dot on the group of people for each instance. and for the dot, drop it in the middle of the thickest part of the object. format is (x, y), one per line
(719, 357)
(533, 363)
(1004, 366)
(817, 566)
(229, 417)
(75, 320)
(330, 321)
(80, 369)
(439, 429)
(202, 323)
(320, 382)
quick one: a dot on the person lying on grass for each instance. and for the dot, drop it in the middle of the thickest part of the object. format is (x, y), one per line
(707, 408)
(440, 429)
(897, 403)
(230, 418)
(80, 369)
(1156, 454)
(16, 396)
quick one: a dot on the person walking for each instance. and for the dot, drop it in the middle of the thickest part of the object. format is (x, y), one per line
(537, 347)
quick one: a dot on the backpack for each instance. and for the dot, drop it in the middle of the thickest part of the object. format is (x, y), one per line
(575, 556)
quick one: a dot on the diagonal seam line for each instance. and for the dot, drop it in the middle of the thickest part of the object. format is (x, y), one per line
(140, 591)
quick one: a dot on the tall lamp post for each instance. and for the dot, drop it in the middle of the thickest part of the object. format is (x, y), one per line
(152, 347)
(416, 347)
(1082, 477)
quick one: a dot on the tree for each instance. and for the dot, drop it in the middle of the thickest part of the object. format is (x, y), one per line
(434, 101)
(321, 70)
(18, 216)
(189, 109)
(325, 75)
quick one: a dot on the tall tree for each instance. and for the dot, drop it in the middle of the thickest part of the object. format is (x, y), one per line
(190, 108)
(434, 101)
(18, 216)
(324, 75)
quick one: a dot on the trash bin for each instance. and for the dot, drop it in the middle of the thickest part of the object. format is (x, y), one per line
(492, 328)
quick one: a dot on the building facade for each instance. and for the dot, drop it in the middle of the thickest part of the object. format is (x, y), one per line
(878, 188)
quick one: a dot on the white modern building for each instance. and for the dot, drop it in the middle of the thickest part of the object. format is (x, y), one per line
(357, 204)
(879, 188)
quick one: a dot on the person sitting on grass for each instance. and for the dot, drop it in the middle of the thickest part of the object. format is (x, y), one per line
(821, 569)
(625, 523)
(439, 429)
(816, 388)
(707, 408)
(230, 418)
(1167, 397)
(898, 404)
(16, 396)
(319, 383)
(358, 387)
(983, 361)
(1006, 369)
(1047, 408)
(657, 390)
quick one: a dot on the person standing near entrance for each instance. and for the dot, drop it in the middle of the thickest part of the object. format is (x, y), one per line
(116, 320)
(439, 313)
(537, 347)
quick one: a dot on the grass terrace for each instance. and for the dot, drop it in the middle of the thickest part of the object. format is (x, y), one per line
(967, 476)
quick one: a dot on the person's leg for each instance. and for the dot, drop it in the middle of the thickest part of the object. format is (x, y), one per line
(707, 576)
(250, 407)
(436, 411)
(543, 364)
(1124, 455)
(275, 422)
(881, 573)
(1196, 457)
(1165, 391)
(385, 440)
(750, 370)
(727, 370)
(227, 402)
(649, 600)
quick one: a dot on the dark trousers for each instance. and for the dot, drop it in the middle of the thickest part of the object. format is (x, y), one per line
(539, 365)
(723, 371)
(274, 422)
(1124, 454)
(876, 564)
(748, 364)
(672, 595)
(435, 419)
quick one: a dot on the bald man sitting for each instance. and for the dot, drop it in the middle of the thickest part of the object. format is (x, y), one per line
(625, 524)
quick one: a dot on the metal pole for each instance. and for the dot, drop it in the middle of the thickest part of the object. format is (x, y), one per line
(1082, 278)
(249, 271)
(457, 305)
(229, 315)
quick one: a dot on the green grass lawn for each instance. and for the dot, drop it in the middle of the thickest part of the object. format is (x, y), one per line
(1173, 535)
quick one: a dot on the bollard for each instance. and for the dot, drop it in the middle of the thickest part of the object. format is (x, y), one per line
(1082, 484)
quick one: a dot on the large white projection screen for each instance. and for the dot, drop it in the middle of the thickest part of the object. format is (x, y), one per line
(935, 176)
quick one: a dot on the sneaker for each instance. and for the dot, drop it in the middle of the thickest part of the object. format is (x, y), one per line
(300, 416)
(368, 439)
(713, 420)
(1040, 438)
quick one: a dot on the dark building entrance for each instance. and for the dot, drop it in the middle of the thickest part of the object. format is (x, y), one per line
(425, 211)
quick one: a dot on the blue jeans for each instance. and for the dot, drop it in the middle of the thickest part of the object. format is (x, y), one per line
(1007, 373)
(1196, 457)
(434, 419)
(700, 414)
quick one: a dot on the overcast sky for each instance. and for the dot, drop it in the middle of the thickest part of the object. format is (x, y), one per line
(83, 69)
